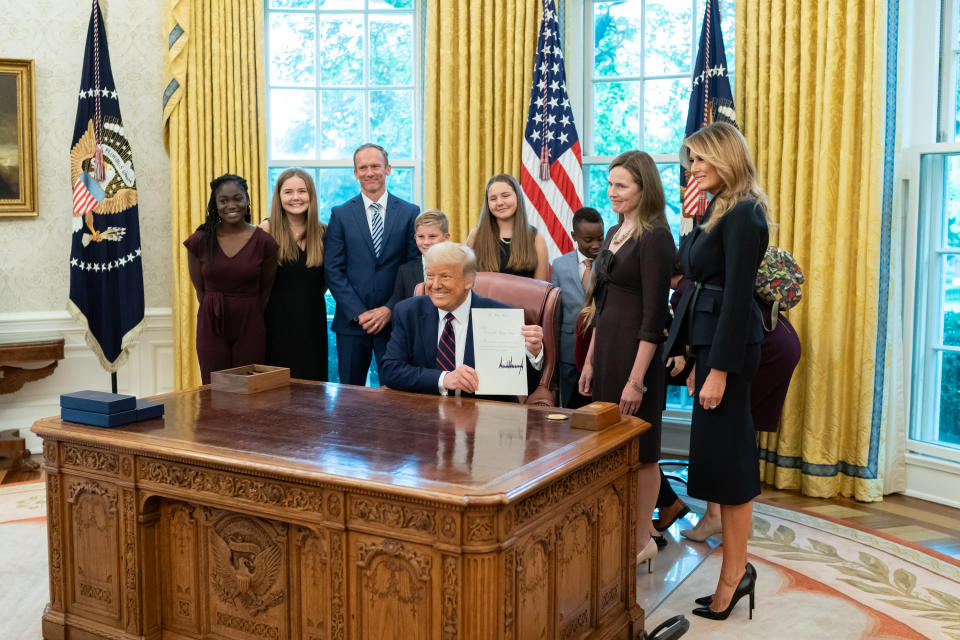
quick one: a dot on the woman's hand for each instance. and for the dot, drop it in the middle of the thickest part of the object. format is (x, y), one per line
(711, 394)
(677, 363)
(586, 379)
(630, 399)
(692, 380)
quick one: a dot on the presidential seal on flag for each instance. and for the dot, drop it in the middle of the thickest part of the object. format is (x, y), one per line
(106, 275)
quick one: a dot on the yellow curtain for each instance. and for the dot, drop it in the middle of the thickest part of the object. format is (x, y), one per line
(479, 69)
(213, 123)
(809, 91)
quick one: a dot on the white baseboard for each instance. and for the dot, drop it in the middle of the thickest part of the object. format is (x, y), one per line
(933, 479)
(148, 370)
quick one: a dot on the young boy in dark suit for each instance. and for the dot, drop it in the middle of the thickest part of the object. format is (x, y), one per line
(430, 228)
(571, 272)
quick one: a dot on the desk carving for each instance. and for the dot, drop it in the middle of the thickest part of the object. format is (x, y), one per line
(195, 542)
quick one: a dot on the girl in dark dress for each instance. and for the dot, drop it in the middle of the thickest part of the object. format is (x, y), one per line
(503, 241)
(719, 321)
(232, 265)
(627, 305)
(297, 313)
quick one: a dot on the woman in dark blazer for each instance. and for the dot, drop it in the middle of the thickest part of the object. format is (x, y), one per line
(718, 322)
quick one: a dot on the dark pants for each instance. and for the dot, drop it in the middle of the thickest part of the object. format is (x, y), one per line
(353, 355)
(667, 495)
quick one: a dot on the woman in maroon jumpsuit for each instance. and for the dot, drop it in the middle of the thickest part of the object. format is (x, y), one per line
(232, 265)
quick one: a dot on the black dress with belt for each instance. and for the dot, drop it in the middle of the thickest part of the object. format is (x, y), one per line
(297, 320)
(718, 318)
(631, 290)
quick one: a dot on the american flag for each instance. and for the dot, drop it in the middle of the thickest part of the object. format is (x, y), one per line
(710, 101)
(552, 172)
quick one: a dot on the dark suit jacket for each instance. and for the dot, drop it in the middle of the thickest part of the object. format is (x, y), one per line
(409, 276)
(410, 363)
(726, 258)
(565, 273)
(358, 279)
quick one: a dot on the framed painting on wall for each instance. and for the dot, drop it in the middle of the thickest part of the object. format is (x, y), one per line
(18, 139)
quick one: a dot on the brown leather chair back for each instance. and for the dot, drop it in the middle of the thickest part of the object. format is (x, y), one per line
(540, 302)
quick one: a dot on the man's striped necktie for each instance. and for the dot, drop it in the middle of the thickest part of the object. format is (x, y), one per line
(377, 228)
(447, 347)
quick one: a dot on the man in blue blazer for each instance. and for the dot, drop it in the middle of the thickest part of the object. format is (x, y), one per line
(424, 355)
(571, 272)
(367, 240)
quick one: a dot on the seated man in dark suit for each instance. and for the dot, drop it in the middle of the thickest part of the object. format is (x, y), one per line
(430, 227)
(418, 354)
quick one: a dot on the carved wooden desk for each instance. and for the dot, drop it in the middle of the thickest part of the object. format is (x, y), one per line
(326, 511)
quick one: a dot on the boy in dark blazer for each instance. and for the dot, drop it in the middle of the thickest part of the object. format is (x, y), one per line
(571, 272)
(367, 240)
(430, 227)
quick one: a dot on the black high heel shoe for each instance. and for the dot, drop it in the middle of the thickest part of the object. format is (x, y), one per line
(660, 540)
(745, 587)
(708, 600)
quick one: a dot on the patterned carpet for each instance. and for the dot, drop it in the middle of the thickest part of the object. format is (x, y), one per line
(821, 579)
(817, 579)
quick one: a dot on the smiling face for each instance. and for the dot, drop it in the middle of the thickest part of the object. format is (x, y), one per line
(428, 235)
(623, 192)
(502, 201)
(447, 285)
(705, 174)
(370, 168)
(294, 196)
(232, 203)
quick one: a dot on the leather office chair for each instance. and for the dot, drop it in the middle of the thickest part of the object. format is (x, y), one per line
(540, 302)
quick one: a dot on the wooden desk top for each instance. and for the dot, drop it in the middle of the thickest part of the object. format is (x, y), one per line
(471, 451)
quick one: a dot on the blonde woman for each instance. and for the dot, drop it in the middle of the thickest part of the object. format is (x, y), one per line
(628, 307)
(297, 313)
(718, 322)
(503, 241)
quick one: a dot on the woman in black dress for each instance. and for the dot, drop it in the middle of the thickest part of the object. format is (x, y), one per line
(503, 241)
(718, 321)
(628, 307)
(297, 313)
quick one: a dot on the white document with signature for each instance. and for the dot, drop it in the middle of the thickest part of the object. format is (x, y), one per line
(500, 352)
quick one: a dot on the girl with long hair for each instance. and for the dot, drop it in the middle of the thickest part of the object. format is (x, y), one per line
(718, 322)
(627, 305)
(297, 313)
(232, 265)
(503, 240)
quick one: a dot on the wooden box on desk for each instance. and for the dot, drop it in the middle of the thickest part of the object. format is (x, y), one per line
(250, 378)
(595, 416)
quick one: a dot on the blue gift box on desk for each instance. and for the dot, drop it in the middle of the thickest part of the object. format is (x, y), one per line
(102, 409)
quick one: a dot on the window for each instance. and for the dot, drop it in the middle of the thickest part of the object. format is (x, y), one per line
(935, 208)
(341, 73)
(638, 65)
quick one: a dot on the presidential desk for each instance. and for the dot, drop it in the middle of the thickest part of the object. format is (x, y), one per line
(326, 511)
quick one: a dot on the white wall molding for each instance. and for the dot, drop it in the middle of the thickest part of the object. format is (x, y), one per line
(147, 371)
(933, 479)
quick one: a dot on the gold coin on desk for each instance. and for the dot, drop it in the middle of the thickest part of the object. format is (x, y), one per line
(557, 416)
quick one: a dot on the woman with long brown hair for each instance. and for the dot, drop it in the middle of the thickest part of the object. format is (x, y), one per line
(297, 313)
(627, 305)
(503, 240)
(718, 321)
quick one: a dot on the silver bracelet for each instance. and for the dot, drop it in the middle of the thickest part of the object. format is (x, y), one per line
(637, 386)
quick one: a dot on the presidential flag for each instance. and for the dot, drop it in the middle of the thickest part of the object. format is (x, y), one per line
(106, 273)
(551, 175)
(710, 101)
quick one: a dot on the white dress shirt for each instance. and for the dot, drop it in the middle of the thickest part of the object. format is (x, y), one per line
(366, 209)
(461, 322)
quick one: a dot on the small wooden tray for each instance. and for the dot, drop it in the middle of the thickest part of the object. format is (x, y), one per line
(595, 416)
(250, 378)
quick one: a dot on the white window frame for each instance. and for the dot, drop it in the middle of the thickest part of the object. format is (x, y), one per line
(933, 471)
(416, 161)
